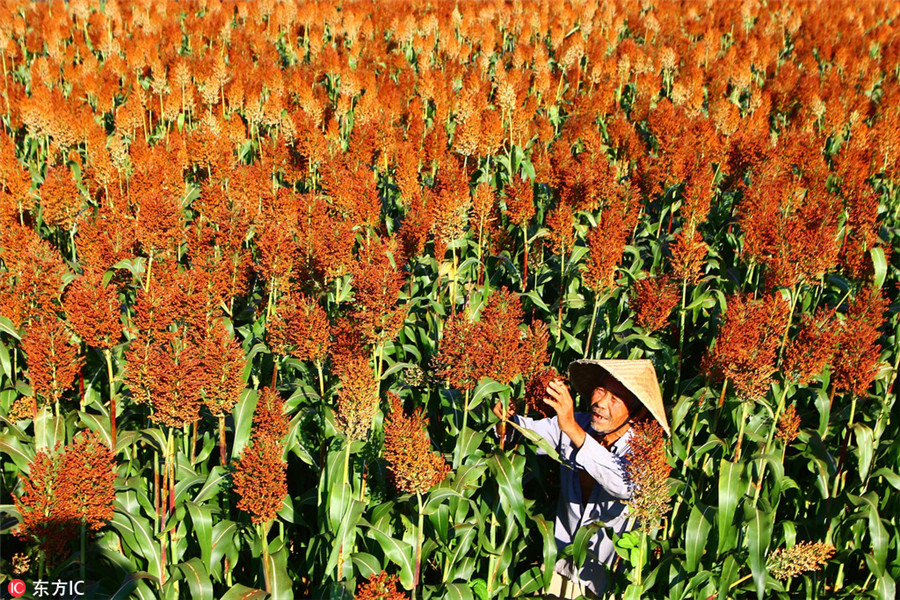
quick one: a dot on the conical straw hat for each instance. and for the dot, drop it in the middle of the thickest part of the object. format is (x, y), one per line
(638, 375)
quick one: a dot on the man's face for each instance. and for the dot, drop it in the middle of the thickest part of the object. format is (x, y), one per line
(609, 410)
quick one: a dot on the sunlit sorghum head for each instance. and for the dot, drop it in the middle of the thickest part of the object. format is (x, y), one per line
(688, 252)
(806, 556)
(788, 425)
(94, 311)
(377, 283)
(65, 487)
(813, 348)
(269, 420)
(747, 344)
(223, 363)
(260, 479)
(536, 391)
(648, 473)
(653, 301)
(380, 587)
(856, 361)
(53, 360)
(605, 242)
(413, 466)
(357, 398)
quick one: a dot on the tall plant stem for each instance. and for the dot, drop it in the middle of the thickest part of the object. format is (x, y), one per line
(681, 334)
(83, 556)
(149, 272)
(840, 474)
(787, 328)
(640, 565)
(745, 410)
(321, 379)
(587, 345)
(419, 539)
(453, 282)
(222, 457)
(562, 288)
(770, 437)
(457, 451)
(112, 399)
(345, 482)
(492, 563)
(263, 529)
(525, 258)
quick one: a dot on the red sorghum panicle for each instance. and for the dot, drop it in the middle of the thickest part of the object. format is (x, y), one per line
(260, 480)
(413, 466)
(648, 472)
(856, 361)
(536, 391)
(812, 350)
(269, 420)
(788, 425)
(377, 284)
(60, 198)
(223, 363)
(357, 398)
(94, 311)
(605, 242)
(806, 556)
(496, 346)
(65, 487)
(653, 301)
(688, 252)
(53, 361)
(747, 345)
(380, 587)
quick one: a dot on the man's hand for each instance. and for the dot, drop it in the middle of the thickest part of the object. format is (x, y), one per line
(561, 401)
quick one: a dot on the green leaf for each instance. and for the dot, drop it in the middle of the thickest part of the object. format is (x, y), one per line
(538, 440)
(486, 387)
(880, 263)
(281, 584)
(146, 544)
(759, 534)
(730, 569)
(242, 592)
(201, 521)
(21, 455)
(243, 420)
(697, 534)
(366, 564)
(398, 552)
(458, 591)
(216, 478)
(885, 587)
(7, 327)
(550, 550)
(865, 443)
(197, 578)
(573, 343)
(437, 496)
(222, 541)
(731, 488)
(509, 479)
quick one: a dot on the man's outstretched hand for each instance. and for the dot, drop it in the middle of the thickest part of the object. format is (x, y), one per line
(561, 401)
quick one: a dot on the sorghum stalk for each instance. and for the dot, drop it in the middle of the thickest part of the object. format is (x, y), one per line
(321, 379)
(222, 440)
(745, 410)
(771, 435)
(457, 458)
(525, 258)
(112, 398)
(587, 346)
(419, 540)
(263, 530)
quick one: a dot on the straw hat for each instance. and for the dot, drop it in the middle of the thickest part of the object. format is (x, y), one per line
(637, 375)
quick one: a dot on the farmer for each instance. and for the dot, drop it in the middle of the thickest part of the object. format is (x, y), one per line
(592, 447)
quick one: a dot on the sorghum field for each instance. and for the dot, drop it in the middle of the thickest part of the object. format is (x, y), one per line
(265, 267)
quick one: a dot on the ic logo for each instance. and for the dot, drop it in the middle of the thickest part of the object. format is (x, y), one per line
(16, 588)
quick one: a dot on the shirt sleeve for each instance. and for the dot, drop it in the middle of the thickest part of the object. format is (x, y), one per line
(547, 428)
(607, 468)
